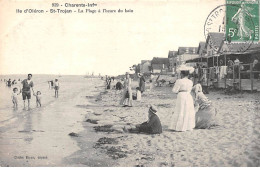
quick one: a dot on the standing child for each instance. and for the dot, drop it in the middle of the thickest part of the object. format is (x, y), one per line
(14, 97)
(38, 96)
(138, 94)
(56, 88)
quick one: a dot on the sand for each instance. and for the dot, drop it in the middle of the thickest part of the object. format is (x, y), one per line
(235, 142)
(95, 120)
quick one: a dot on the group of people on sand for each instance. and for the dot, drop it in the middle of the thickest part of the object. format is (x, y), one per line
(193, 109)
(127, 95)
(191, 112)
(27, 91)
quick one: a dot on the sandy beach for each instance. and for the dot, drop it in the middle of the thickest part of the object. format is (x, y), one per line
(235, 142)
(96, 120)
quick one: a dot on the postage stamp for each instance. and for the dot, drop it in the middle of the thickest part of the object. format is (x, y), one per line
(242, 20)
(236, 24)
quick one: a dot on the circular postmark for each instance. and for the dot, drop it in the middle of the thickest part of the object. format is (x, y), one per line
(230, 27)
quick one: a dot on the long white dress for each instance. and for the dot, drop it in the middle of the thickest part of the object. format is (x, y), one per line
(183, 118)
(127, 87)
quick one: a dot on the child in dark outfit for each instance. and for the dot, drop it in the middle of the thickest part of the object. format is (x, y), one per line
(152, 126)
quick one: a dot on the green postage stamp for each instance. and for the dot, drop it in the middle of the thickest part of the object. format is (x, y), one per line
(242, 20)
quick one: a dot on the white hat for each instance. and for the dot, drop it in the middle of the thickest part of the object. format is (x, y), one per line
(185, 68)
(152, 108)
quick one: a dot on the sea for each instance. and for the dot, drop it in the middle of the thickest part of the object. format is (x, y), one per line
(39, 136)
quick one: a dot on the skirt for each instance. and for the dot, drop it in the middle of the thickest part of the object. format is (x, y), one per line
(206, 118)
(127, 101)
(184, 115)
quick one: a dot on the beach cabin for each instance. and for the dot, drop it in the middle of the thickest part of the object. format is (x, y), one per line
(202, 59)
(172, 55)
(244, 74)
(208, 52)
(212, 47)
(228, 65)
(184, 54)
(145, 67)
(201, 50)
(160, 65)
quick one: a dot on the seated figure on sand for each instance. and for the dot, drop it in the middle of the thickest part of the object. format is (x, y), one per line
(152, 126)
(119, 85)
(138, 94)
(205, 117)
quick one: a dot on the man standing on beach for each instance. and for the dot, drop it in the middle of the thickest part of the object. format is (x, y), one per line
(26, 90)
(141, 82)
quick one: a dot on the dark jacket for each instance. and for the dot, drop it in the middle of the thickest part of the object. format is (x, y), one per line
(119, 86)
(142, 84)
(152, 127)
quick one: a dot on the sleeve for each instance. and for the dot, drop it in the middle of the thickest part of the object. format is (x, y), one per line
(150, 123)
(194, 87)
(129, 82)
(176, 87)
(196, 107)
(144, 127)
(199, 98)
(198, 88)
(31, 84)
(152, 120)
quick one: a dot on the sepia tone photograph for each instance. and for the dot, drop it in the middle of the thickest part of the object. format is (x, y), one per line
(129, 83)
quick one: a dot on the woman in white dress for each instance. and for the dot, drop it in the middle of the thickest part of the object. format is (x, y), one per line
(127, 97)
(183, 118)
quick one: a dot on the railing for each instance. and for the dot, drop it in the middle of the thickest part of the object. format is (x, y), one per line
(235, 73)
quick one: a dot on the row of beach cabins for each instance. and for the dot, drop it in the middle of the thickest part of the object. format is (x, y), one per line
(217, 64)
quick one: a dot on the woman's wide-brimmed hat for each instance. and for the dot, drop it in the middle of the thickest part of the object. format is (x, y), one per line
(152, 108)
(185, 68)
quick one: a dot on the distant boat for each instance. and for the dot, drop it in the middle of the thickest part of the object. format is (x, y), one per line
(88, 75)
(92, 75)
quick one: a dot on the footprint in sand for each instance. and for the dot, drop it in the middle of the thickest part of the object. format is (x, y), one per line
(97, 114)
(149, 143)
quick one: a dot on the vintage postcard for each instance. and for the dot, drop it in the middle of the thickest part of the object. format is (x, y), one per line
(129, 83)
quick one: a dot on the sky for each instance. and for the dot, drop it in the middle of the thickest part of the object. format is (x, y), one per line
(107, 43)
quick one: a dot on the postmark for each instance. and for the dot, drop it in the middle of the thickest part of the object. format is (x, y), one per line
(236, 23)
